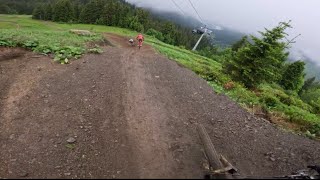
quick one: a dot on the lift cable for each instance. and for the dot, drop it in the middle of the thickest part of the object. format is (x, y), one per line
(178, 7)
(196, 12)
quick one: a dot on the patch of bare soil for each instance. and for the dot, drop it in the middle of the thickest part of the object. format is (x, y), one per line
(129, 113)
(10, 53)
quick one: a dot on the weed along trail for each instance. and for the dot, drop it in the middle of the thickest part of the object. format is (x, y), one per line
(128, 113)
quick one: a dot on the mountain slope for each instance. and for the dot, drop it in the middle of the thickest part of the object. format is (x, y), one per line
(312, 69)
(132, 114)
(224, 37)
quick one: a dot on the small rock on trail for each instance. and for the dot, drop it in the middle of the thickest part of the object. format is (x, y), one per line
(71, 140)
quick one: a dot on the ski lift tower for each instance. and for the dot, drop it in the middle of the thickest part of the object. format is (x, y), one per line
(203, 32)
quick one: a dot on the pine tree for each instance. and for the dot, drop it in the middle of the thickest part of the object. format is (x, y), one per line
(239, 44)
(4, 9)
(310, 83)
(77, 8)
(108, 13)
(134, 24)
(92, 11)
(169, 32)
(123, 14)
(39, 12)
(293, 76)
(63, 11)
(262, 61)
(143, 18)
(48, 12)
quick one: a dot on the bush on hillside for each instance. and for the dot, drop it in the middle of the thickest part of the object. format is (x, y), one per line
(155, 33)
(293, 76)
(284, 97)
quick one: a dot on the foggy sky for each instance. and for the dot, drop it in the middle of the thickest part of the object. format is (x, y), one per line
(250, 16)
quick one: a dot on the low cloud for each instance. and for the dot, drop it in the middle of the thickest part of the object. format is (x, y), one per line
(251, 16)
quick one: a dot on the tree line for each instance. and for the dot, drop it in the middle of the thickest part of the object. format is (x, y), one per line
(117, 13)
(19, 6)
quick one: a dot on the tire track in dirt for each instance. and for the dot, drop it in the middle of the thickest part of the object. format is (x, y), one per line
(146, 122)
(161, 149)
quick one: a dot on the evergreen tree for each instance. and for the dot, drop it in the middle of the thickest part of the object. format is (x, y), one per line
(155, 33)
(169, 32)
(91, 12)
(63, 11)
(123, 13)
(143, 18)
(48, 12)
(4, 9)
(135, 24)
(312, 97)
(39, 12)
(109, 13)
(293, 76)
(77, 9)
(310, 83)
(239, 44)
(262, 61)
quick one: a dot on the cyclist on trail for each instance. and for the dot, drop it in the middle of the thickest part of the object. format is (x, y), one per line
(140, 39)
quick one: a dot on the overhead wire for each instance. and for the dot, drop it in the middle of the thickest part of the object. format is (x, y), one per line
(196, 11)
(178, 7)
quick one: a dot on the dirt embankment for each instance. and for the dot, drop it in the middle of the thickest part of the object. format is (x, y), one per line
(131, 114)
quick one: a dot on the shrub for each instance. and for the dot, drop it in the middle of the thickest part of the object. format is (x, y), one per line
(242, 95)
(155, 33)
(269, 100)
(289, 98)
(229, 85)
(307, 120)
(292, 78)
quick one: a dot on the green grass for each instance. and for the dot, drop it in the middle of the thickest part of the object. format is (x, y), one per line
(46, 37)
(291, 106)
(70, 146)
(54, 38)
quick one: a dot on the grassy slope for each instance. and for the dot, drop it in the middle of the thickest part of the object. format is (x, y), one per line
(274, 99)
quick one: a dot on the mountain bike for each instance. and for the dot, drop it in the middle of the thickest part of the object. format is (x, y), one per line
(221, 168)
(140, 43)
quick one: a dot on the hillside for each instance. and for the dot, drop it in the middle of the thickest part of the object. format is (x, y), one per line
(125, 113)
(224, 38)
(312, 69)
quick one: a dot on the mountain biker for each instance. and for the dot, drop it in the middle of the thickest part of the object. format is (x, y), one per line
(140, 39)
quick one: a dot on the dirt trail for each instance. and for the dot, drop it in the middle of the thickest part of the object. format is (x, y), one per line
(132, 114)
